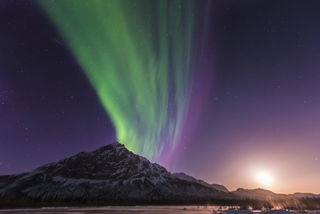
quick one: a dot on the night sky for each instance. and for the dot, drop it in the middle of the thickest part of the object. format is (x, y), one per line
(217, 89)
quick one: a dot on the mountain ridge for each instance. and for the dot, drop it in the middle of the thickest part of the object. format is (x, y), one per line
(112, 175)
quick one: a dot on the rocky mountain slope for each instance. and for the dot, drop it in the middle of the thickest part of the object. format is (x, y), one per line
(110, 174)
(189, 178)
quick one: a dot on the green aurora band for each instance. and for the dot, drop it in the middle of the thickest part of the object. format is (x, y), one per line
(136, 54)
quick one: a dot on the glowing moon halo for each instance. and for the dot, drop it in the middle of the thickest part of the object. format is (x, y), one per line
(264, 178)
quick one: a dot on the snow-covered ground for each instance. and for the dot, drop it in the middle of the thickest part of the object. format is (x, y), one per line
(148, 210)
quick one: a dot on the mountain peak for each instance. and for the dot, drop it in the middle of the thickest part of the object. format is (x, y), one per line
(113, 147)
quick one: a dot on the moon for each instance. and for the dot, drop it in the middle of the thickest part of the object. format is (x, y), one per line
(264, 178)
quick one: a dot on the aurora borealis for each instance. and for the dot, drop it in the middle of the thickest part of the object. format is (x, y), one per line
(137, 55)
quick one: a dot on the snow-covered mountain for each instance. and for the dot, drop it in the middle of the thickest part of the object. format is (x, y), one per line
(189, 178)
(111, 174)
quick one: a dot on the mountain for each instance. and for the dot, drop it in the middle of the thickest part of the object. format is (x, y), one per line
(305, 195)
(111, 174)
(259, 194)
(263, 194)
(189, 178)
(261, 198)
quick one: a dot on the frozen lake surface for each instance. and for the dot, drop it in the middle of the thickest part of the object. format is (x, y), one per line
(145, 210)
(116, 210)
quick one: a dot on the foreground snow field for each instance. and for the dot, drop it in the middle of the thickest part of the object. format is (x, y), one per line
(148, 210)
